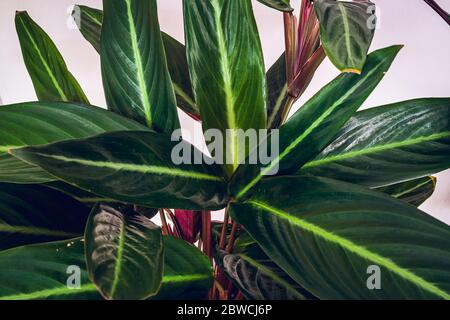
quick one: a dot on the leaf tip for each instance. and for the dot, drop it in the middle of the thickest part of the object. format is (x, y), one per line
(351, 70)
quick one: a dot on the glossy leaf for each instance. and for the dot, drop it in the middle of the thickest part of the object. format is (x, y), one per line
(33, 213)
(277, 92)
(190, 223)
(258, 277)
(346, 31)
(90, 24)
(51, 79)
(414, 192)
(124, 253)
(134, 69)
(87, 198)
(36, 123)
(133, 167)
(314, 126)
(281, 5)
(41, 272)
(327, 235)
(227, 69)
(389, 144)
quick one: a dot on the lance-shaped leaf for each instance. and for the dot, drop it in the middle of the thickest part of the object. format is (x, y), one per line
(190, 223)
(34, 213)
(329, 236)
(281, 5)
(227, 70)
(314, 126)
(37, 123)
(414, 192)
(277, 87)
(134, 68)
(389, 144)
(258, 277)
(50, 271)
(346, 31)
(51, 79)
(87, 198)
(124, 253)
(90, 22)
(134, 167)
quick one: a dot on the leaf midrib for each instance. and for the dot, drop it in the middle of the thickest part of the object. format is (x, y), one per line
(118, 260)
(354, 248)
(35, 231)
(376, 149)
(346, 32)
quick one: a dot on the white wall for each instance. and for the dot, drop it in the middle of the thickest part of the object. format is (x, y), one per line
(421, 69)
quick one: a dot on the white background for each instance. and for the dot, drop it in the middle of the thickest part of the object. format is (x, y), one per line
(422, 68)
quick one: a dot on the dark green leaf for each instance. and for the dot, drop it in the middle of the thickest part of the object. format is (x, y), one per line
(51, 79)
(314, 126)
(346, 32)
(124, 253)
(258, 277)
(37, 123)
(133, 167)
(326, 234)
(87, 198)
(227, 69)
(90, 24)
(389, 144)
(281, 5)
(134, 68)
(277, 92)
(33, 213)
(414, 192)
(40, 272)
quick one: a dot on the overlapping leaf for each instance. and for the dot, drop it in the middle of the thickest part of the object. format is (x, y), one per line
(134, 68)
(326, 234)
(34, 213)
(389, 144)
(414, 192)
(134, 167)
(37, 123)
(90, 24)
(346, 31)
(314, 126)
(51, 79)
(281, 5)
(227, 70)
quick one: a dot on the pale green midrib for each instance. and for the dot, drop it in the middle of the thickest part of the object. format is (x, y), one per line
(94, 19)
(307, 132)
(140, 68)
(229, 96)
(277, 105)
(91, 288)
(380, 148)
(180, 92)
(118, 261)
(346, 33)
(398, 195)
(44, 62)
(7, 148)
(271, 274)
(62, 291)
(35, 231)
(136, 168)
(354, 248)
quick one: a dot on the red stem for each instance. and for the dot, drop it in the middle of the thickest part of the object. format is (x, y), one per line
(444, 14)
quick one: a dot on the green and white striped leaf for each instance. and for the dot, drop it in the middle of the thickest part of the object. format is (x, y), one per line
(414, 192)
(389, 144)
(315, 125)
(258, 277)
(134, 167)
(346, 31)
(227, 69)
(37, 123)
(39, 272)
(327, 234)
(90, 23)
(51, 79)
(134, 69)
(34, 213)
(281, 5)
(124, 253)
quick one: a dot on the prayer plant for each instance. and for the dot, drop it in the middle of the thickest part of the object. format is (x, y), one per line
(333, 215)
